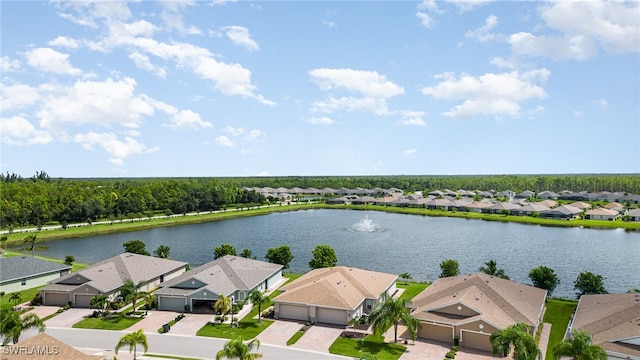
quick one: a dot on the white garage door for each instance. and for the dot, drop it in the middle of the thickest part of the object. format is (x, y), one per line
(331, 316)
(294, 312)
(475, 340)
(56, 299)
(168, 303)
(83, 301)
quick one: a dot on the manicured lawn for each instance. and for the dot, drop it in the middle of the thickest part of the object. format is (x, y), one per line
(246, 329)
(294, 339)
(370, 344)
(25, 295)
(411, 289)
(558, 314)
(115, 323)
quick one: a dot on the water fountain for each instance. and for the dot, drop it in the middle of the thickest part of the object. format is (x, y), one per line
(366, 225)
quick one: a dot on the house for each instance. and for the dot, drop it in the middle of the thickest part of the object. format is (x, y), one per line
(602, 214)
(525, 194)
(634, 214)
(44, 347)
(472, 307)
(26, 272)
(548, 195)
(548, 203)
(613, 320)
(107, 276)
(364, 200)
(478, 206)
(434, 204)
(506, 193)
(333, 295)
(531, 209)
(614, 206)
(630, 198)
(231, 276)
(581, 205)
(566, 212)
(504, 207)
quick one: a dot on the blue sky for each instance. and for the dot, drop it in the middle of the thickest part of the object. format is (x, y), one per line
(224, 88)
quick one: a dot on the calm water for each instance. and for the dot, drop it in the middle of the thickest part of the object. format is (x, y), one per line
(401, 243)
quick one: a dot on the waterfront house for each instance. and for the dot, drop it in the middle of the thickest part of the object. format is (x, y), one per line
(581, 205)
(614, 206)
(26, 272)
(602, 214)
(504, 207)
(566, 212)
(530, 209)
(634, 214)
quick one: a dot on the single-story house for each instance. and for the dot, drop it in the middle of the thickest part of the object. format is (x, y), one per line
(548, 203)
(472, 307)
(525, 194)
(478, 206)
(530, 209)
(614, 206)
(581, 205)
(364, 200)
(231, 276)
(613, 320)
(566, 212)
(107, 276)
(504, 206)
(26, 272)
(602, 214)
(445, 204)
(45, 347)
(547, 195)
(506, 193)
(634, 214)
(333, 295)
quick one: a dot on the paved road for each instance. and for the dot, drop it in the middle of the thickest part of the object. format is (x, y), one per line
(167, 344)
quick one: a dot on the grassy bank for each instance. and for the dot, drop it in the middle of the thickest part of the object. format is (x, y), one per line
(558, 314)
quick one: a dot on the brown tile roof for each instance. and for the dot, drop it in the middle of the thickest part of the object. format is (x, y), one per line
(602, 211)
(497, 301)
(613, 205)
(610, 318)
(581, 205)
(43, 346)
(340, 287)
(548, 203)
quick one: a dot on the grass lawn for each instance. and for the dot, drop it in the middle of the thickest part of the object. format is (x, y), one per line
(370, 344)
(115, 323)
(25, 295)
(558, 314)
(411, 289)
(246, 329)
(294, 339)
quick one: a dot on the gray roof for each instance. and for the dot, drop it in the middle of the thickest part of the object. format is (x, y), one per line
(108, 275)
(20, 267)
(222, 276)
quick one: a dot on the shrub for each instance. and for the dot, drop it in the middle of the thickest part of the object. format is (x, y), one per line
(66, 307)
(451, 354)
(37, 300)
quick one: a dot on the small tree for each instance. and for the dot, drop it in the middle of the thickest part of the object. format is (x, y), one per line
(223, 250)
(31, 240)
(162, 252)
(131, 292)
(224, 306)
(16, 297)
(390, 312)
(589, 283)
(133, 340)
(544, 278)
(69, 259)
(406, 277)
(517, 338)
(491, 268)
(280, 255)
(449, 268)
(238, 349)
(99, 301)
(135, 247)
(246, 253)
(3, 241)
(258, 299)
(323, 256)
(13, 323)
(579, 347)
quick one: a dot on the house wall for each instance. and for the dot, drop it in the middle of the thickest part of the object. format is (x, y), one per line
(153, 283)
(29, 282)
(602, 217)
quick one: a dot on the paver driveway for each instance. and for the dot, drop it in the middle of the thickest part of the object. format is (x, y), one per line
(279, 332)
(190, 324)
(153, 321)
(319, 338)
(68, 318)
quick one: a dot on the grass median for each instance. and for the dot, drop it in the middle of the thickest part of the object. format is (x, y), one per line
(371, 344)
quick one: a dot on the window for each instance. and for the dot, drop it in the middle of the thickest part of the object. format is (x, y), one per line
(24, 282)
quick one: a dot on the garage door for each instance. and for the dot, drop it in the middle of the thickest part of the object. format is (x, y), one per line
(56, 299)
(476, 341)
(168, 303)
(331, 316)
(294, 312)
(82, 301)
(436, 332)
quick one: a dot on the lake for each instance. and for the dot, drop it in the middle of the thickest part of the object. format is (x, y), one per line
(397, 243)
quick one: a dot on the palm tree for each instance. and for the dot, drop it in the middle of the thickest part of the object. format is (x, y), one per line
(579, 347)
(224, 306)
(16, 298)
(13, 323)
(257, 298)
(99, 301)
(390, 312)
(3, 240)
(133, 340)
(515, 337)
(238, 349)
(31, 239)
(162, 251)
(491, 268)
(131, 292)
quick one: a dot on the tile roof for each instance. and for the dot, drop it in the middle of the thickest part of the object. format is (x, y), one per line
(20, 267)
(611, 319)
(497, 301)
(602, 211)
(44, 346)
(339, 287)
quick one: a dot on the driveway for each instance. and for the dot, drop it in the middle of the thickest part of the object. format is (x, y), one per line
(68, 318)
(190, 324)
(44, 311)
(319, 338)
(153, 321)
(279, 332)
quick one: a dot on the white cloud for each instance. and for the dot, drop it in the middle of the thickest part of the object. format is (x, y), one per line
(377, 106)
(62, 41)
(489, 94)
(483, 33)
(17, 130)
(240, 36)
(468, 5)
(602, 103)
(87, 13)
(221, 2)
(254, 135)
(234, 131)
(426, 20)
(576, 47)
(172, 17)
(263, 173)
(412, 118)
(118, 150)
(9, 65)
(187, 119)
(49, 60)
(323, 120)
(142, 61)
(410, 153)
(223, 141)
(430, 5)
(18, 96)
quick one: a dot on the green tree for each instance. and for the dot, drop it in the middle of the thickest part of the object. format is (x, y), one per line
(258, 299)
(13, 323)
(223, 250)
(238, 349)
(69, 259)
(589, 283)
(3, 241)
(579, 347)
(406, 277)
(16, 297)
(544, 278)
(224, 306)
(132, 340)
(323, 256)
(449, 268)
(280, 255)
(100, 301)
(162, 252)
(246, 253)
(135, 247)
(491, 268)
(131, 292)
(390, 312)
(515, 338)
(31, 240)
